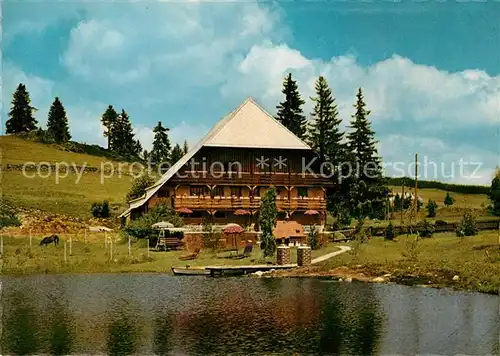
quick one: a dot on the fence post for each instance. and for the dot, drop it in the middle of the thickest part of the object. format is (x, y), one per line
(85, 236)
(147, 240)
(1, 245)
(65, 258)
(129, 252)
(105, 242)
(30, 240)
(111, 250)
(70, 246)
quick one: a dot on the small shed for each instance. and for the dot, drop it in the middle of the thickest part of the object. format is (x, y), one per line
(289, 233)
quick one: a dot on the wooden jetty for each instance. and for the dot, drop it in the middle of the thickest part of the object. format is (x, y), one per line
(235, 270)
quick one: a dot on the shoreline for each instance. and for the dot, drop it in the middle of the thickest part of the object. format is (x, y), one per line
(360, 274)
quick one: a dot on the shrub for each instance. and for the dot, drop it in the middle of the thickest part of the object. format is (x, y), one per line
(139, 186)
(448, 200)
(431, 208)
(426, 228)
(494, 194)
(141, 227)
(8, 217)
(468, 225)
(389, 232)
(100, 210)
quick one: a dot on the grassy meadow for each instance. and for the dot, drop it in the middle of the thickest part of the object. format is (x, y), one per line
(436, 260)
(71, 195)
(91, 256)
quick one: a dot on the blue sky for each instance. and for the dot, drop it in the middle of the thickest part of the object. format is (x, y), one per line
(430, 70)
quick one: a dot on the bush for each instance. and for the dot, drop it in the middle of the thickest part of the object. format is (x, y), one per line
(468, 225)
(431, 208)
(8, 217)
(139, 186)
(141, 227)
(448, 200)
(389, 232)
(100, 210)
(426, 228)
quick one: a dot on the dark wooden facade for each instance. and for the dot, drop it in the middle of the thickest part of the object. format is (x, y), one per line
(218, 181)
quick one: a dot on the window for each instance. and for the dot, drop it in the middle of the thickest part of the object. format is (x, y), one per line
(302, 192)
(236, 191)
(199, 190)
(218, 191)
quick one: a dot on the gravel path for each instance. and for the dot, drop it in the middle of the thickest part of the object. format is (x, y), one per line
(331, 254)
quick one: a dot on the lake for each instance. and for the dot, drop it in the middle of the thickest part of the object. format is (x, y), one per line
(121, 314)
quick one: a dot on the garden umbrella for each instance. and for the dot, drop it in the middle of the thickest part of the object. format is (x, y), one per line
(162, 225)
(233, 230)
(184, 210)
(311, 212)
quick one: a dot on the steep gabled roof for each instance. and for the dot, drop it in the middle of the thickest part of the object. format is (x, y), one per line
(249, 126)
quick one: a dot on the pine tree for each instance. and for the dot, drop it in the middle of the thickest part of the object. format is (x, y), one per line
(57, 122)
(431, 208)
(185, 148)
(161, 145)
(368, 189)
(21, 118)
(289, 111)
(494, 194)
(123, 140)
(448, 200)
(176, 154)
(267, 220)
(397, 202)
(324, 133)
(109, 120)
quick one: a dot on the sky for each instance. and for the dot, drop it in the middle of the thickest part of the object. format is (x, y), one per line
(430, 70)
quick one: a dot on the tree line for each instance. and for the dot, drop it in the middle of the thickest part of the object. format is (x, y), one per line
(362, 191)
(121, 140)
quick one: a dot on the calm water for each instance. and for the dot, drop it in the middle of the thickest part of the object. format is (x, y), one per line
(158, 314)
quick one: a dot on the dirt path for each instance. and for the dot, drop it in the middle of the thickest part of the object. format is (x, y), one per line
(331, 254)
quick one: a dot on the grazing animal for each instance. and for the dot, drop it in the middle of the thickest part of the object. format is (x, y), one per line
(49, 239)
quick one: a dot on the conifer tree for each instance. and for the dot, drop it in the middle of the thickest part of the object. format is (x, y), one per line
(494, 194)
(176, 154)
(185, 148)
(290, 112)
(324, 132)
(368, 191)
(448, 199)
(57, 122)
(123, 140)
(21, 118)
(161, 145)
(109, 120)
(267, 220)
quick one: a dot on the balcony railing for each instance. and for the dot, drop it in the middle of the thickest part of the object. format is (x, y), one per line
(196, 202)
(245, 178)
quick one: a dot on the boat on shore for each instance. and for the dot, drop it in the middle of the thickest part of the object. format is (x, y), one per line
(190, 271)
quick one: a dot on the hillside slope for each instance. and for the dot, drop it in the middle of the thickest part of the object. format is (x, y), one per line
(69, 193)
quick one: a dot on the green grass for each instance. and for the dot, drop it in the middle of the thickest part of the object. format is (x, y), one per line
(91, 257)
(68, 196)
(476, 260)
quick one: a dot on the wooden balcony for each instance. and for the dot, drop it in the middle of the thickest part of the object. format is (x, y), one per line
(233, 203)
(255, 179)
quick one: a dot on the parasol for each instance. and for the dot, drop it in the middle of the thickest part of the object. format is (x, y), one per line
(184, 210)
(311, 212)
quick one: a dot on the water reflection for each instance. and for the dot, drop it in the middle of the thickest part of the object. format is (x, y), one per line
(123, 331)
(145, 314)
(20, 327)
(61, 336)
(163, 332)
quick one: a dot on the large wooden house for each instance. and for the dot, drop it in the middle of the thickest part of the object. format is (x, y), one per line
(229, 170)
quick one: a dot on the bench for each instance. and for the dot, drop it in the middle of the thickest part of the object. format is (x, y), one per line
(168, 243)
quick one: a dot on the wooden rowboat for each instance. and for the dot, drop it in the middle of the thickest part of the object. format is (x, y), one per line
(190, 271)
